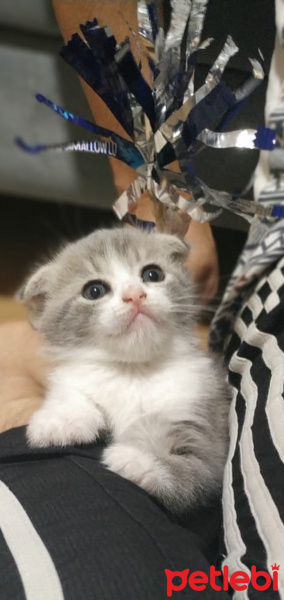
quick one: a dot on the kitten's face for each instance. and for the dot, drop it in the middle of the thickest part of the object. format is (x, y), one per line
(123, 291)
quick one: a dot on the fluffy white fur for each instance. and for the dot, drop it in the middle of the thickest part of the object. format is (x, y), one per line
(138, 375)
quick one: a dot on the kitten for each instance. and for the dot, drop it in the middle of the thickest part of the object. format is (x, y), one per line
(118, 313)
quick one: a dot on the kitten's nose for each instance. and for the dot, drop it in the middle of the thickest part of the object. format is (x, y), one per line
(134, 293)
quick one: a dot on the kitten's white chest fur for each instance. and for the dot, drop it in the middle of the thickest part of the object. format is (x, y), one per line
(128, 392)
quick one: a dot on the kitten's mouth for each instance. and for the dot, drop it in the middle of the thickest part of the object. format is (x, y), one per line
(140, 317)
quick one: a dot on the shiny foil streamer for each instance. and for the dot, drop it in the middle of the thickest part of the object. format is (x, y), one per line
(277, 211)
(179, 16)
(148, 23)
(173, 126)
(130, 197)
(144, 24)
(169, 197)
(170, 121)
(159, 45)
(262, 138)
(154, 17)
(265, 138)
(252, 82)
(216, 72)
(249, 209)
(208, 110)
(135, 81)
(107, 147)
(187, 84)
(195, 26)
(151, 34)
(118, 85)
(169, 80)
(99, 70)
(168, 194)
(127, 151)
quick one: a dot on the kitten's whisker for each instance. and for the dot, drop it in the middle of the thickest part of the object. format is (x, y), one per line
(182, 309)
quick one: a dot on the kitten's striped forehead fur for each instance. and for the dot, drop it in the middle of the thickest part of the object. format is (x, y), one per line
(115, 256)
(132, 247)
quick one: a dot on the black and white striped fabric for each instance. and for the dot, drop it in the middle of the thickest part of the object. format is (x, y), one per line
(253, 495)
(249, 326)
(72, 530)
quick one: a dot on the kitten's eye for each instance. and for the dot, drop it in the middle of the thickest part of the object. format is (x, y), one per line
(152, 274)
(93, 290)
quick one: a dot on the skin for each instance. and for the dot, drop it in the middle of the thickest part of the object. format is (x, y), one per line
(23, 374)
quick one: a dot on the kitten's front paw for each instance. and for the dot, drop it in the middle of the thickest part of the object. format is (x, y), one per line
(58, 428)
(133, 464)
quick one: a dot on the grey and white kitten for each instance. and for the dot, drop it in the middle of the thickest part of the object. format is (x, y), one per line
(117, 311)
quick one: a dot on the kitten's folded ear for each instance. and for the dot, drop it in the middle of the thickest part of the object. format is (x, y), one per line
(177, 249)
(34, 292)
